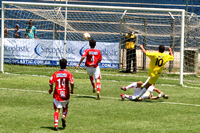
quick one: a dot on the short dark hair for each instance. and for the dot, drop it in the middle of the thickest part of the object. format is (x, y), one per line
(63, 63)
(161, 48)
(92, 43)
(30, 21)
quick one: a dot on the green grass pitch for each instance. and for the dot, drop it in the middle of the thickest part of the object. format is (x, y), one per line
(26, 106)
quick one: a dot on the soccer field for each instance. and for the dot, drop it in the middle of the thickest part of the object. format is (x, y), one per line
(26, 105)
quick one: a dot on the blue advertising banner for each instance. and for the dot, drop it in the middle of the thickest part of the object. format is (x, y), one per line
(49, 52)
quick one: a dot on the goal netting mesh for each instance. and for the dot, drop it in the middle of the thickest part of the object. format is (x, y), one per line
(108, 27)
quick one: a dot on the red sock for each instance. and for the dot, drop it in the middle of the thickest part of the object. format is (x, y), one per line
(92, 81)
(65, 110)
(98, 86)
(56, 116)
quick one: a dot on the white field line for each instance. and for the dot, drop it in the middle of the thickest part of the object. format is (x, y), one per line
(109, 80)
(122, 75)
(185, 104)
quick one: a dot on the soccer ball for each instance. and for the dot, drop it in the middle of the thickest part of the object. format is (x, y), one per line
(86, 36)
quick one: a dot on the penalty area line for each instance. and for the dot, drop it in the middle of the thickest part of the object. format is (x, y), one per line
(104, 97)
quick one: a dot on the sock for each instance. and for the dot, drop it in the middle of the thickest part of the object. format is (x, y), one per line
(142, 92)
(133, 85)
(56, 116)
(92, 81)
(98, 86)
(130, 97)
(161, 94)
(65, 111)
(126, 96)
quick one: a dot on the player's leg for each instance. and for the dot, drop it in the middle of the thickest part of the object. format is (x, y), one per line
(57, 106)
(134, 61)
(90, 71)
(93, 83)
(128, 60)
(151, 81)
(97, 77)
(133, 85)
(64, 113)
(98, 88)
(144, 89)
(146, 95)
(130, 97)
(56, 118)
(160, 94)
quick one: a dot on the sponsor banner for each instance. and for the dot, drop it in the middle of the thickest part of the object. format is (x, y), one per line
(49, 52)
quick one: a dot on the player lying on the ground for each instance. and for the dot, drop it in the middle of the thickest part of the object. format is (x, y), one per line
(147, 95)
(157, 63)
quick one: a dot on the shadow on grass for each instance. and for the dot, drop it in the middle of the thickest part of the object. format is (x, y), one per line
(93, 97)
(152, 101)
(52, 128)
(146, 100)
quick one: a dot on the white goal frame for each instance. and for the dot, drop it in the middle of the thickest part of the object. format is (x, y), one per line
(182, 11)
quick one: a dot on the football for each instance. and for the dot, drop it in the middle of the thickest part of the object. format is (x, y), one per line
(86, 36)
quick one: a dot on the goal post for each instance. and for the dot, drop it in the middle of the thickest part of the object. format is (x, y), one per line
(103, 24)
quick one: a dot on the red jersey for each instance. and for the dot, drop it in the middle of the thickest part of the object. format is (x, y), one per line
(61, 79)
(92, 57)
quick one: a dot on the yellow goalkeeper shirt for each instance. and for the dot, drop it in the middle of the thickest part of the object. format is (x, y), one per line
(158, 61)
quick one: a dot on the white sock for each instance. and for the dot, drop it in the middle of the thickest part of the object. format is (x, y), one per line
(161, 94)
(130, 97)
(126, 96)
(133, 85)
(142, 92)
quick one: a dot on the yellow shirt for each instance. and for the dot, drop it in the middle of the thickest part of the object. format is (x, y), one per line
(158, 61)
(130, 41)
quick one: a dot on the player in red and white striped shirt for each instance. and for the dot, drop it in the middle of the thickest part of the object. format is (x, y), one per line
(61, 94)
(93, 57)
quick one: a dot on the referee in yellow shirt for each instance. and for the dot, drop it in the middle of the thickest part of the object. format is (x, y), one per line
(130, 40)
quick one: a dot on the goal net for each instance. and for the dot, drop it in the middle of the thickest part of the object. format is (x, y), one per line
(60, 24)
(155, 28)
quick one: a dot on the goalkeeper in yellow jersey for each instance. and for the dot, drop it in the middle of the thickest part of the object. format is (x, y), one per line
(157, 63)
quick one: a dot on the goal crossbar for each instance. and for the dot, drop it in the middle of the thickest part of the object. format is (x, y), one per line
(181, 11)
(91, 6)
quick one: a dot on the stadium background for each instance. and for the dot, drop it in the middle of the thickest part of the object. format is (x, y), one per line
(190, 6)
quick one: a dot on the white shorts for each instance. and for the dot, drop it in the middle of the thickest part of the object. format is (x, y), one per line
(94, 72)
(148, 93)
(58, 104)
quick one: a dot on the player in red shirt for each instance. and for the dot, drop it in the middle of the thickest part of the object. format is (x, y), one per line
(93, 57)
(61, 94)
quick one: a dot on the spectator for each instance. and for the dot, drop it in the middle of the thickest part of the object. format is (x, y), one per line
(130, 41)
(17, 32)
(5, 30)
(31, 31)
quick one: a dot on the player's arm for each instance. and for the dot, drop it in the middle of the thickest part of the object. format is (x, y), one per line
(51, 81)
(100, 58)
(72, 88)
(82, 58)
(160, 94)
(143, 50)
(35, 34)
(26, 33)
(71, 80)
(153, 98)
(170, 51)
(6, 32)
(51, 88)
(36, 37)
